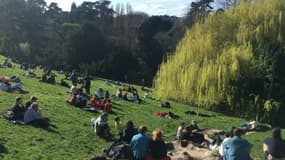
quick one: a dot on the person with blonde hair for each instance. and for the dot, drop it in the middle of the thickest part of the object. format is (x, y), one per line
(157, 149)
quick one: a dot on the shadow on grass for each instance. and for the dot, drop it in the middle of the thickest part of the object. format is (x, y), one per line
(3, 149)
(117, 108)
(49, 128)
(117, 104)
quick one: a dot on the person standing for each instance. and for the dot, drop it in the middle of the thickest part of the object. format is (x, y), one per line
(87, 82)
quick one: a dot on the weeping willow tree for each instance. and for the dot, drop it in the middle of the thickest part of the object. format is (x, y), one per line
(232, 60)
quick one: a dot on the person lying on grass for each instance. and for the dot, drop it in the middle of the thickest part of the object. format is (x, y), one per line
(16, 87)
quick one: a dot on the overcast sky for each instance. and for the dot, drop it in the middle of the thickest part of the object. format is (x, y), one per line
(151, 7)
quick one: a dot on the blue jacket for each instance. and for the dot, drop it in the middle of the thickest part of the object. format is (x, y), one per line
(236, 149)
(139, 144)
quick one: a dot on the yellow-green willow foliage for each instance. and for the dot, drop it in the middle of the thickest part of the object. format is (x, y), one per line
(226, 48)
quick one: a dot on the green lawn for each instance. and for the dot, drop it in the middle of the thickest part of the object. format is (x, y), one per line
(73, 137)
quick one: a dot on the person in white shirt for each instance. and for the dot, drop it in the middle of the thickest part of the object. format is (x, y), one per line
(180, 131)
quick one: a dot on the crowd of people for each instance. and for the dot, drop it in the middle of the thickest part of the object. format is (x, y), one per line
(141, 146)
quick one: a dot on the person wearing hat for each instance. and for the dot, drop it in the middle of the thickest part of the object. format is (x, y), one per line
(139, 144)
(32, 100)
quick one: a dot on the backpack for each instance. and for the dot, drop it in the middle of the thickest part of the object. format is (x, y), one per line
(118, 150)
(8, 115)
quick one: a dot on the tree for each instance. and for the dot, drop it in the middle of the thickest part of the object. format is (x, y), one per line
(150, 51)
(85, 45)
(227, 58)
(198, 11)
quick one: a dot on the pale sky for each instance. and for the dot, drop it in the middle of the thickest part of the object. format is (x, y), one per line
(151, 7)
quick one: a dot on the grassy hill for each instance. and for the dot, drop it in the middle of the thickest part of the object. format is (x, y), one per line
(73, 137)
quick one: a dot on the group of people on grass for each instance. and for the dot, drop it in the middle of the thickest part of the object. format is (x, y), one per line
(233, 147)
(100, 100)
(26, 114)
(122, 93)
(48, 76)
(142, 146)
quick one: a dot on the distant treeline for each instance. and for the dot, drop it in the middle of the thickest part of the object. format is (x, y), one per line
(110, 41)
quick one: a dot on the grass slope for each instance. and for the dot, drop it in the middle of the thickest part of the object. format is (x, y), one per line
(74, 138)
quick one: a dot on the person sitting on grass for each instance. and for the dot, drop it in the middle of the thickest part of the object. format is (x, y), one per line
(192, 133)
(48, 77)
(129, 132)
(30, 74)
(34, 117)
(222, 148)
(96, 103)
(107, 95)
(101, 126)
(118, 126)
(18, 109)
(81, 99)
(100, 93)
(139, 144)
(32, 100)
(274, 147)
(73, 89)
(236, 147)
(135, 97)
(180, 131)
(119, 93)
(157, 149)
(125, 96)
